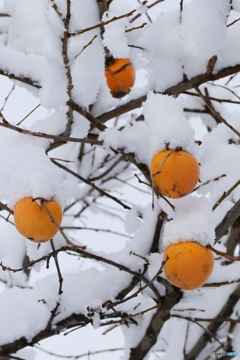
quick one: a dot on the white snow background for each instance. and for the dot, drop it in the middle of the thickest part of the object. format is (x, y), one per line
(168, 46)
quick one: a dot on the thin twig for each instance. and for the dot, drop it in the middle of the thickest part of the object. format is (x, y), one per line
(197, 323)
(215, 114)
(162, 217)
(65, 41)
(57, 266)
(25, 117)
(85, 254)
(69, 242)
(53, 314)
(233, 22)
(92, 119)
(115, 18)
(225, 312)
(95, 229)
(142, 182)
(181, 10)
(77, 356)
(66, 139)
(186, 338)
(225, 195)
(213, 98)
(88, 44)
(163, 163)
(208, 181)
(149, 7)
(136, 28)
(132, 186)
(230, 79)
(121, 321)
(119, 159)
(5, 207)
(227, 89)
(110, 304)
(222, 283)
(7, 97)
(146, 13)
(55, 7)
(226, 256)
(91, 184)
(227, 221)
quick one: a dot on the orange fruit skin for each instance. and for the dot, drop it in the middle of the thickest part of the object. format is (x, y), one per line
(189, 265)
(178, 173)
(33, 221)
(120, 77)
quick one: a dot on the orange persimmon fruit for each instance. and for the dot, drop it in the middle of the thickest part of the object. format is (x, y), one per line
(174, 173)
(33, 221)
(120, 76)
(188, 264)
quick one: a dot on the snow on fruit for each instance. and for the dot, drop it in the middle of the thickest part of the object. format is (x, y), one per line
(120, 76)
(33, 220)
(174, 173)
(188, 265)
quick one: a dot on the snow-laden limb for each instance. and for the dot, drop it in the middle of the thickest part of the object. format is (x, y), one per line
(225, 312)
(176, 89)
(158, 320)
(231, 216)
(22, 67)
(193, 221)
(71, 308)
(114, 35)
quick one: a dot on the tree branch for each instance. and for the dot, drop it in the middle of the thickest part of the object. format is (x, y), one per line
(60, 138)
(115, 18)
(162, 314)
(91, 184)
(160, 221)
(21, 78)
(215, 114)
(68, 323)
(227, 221)
(225, 312)
(93, 120)
(173, 90)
